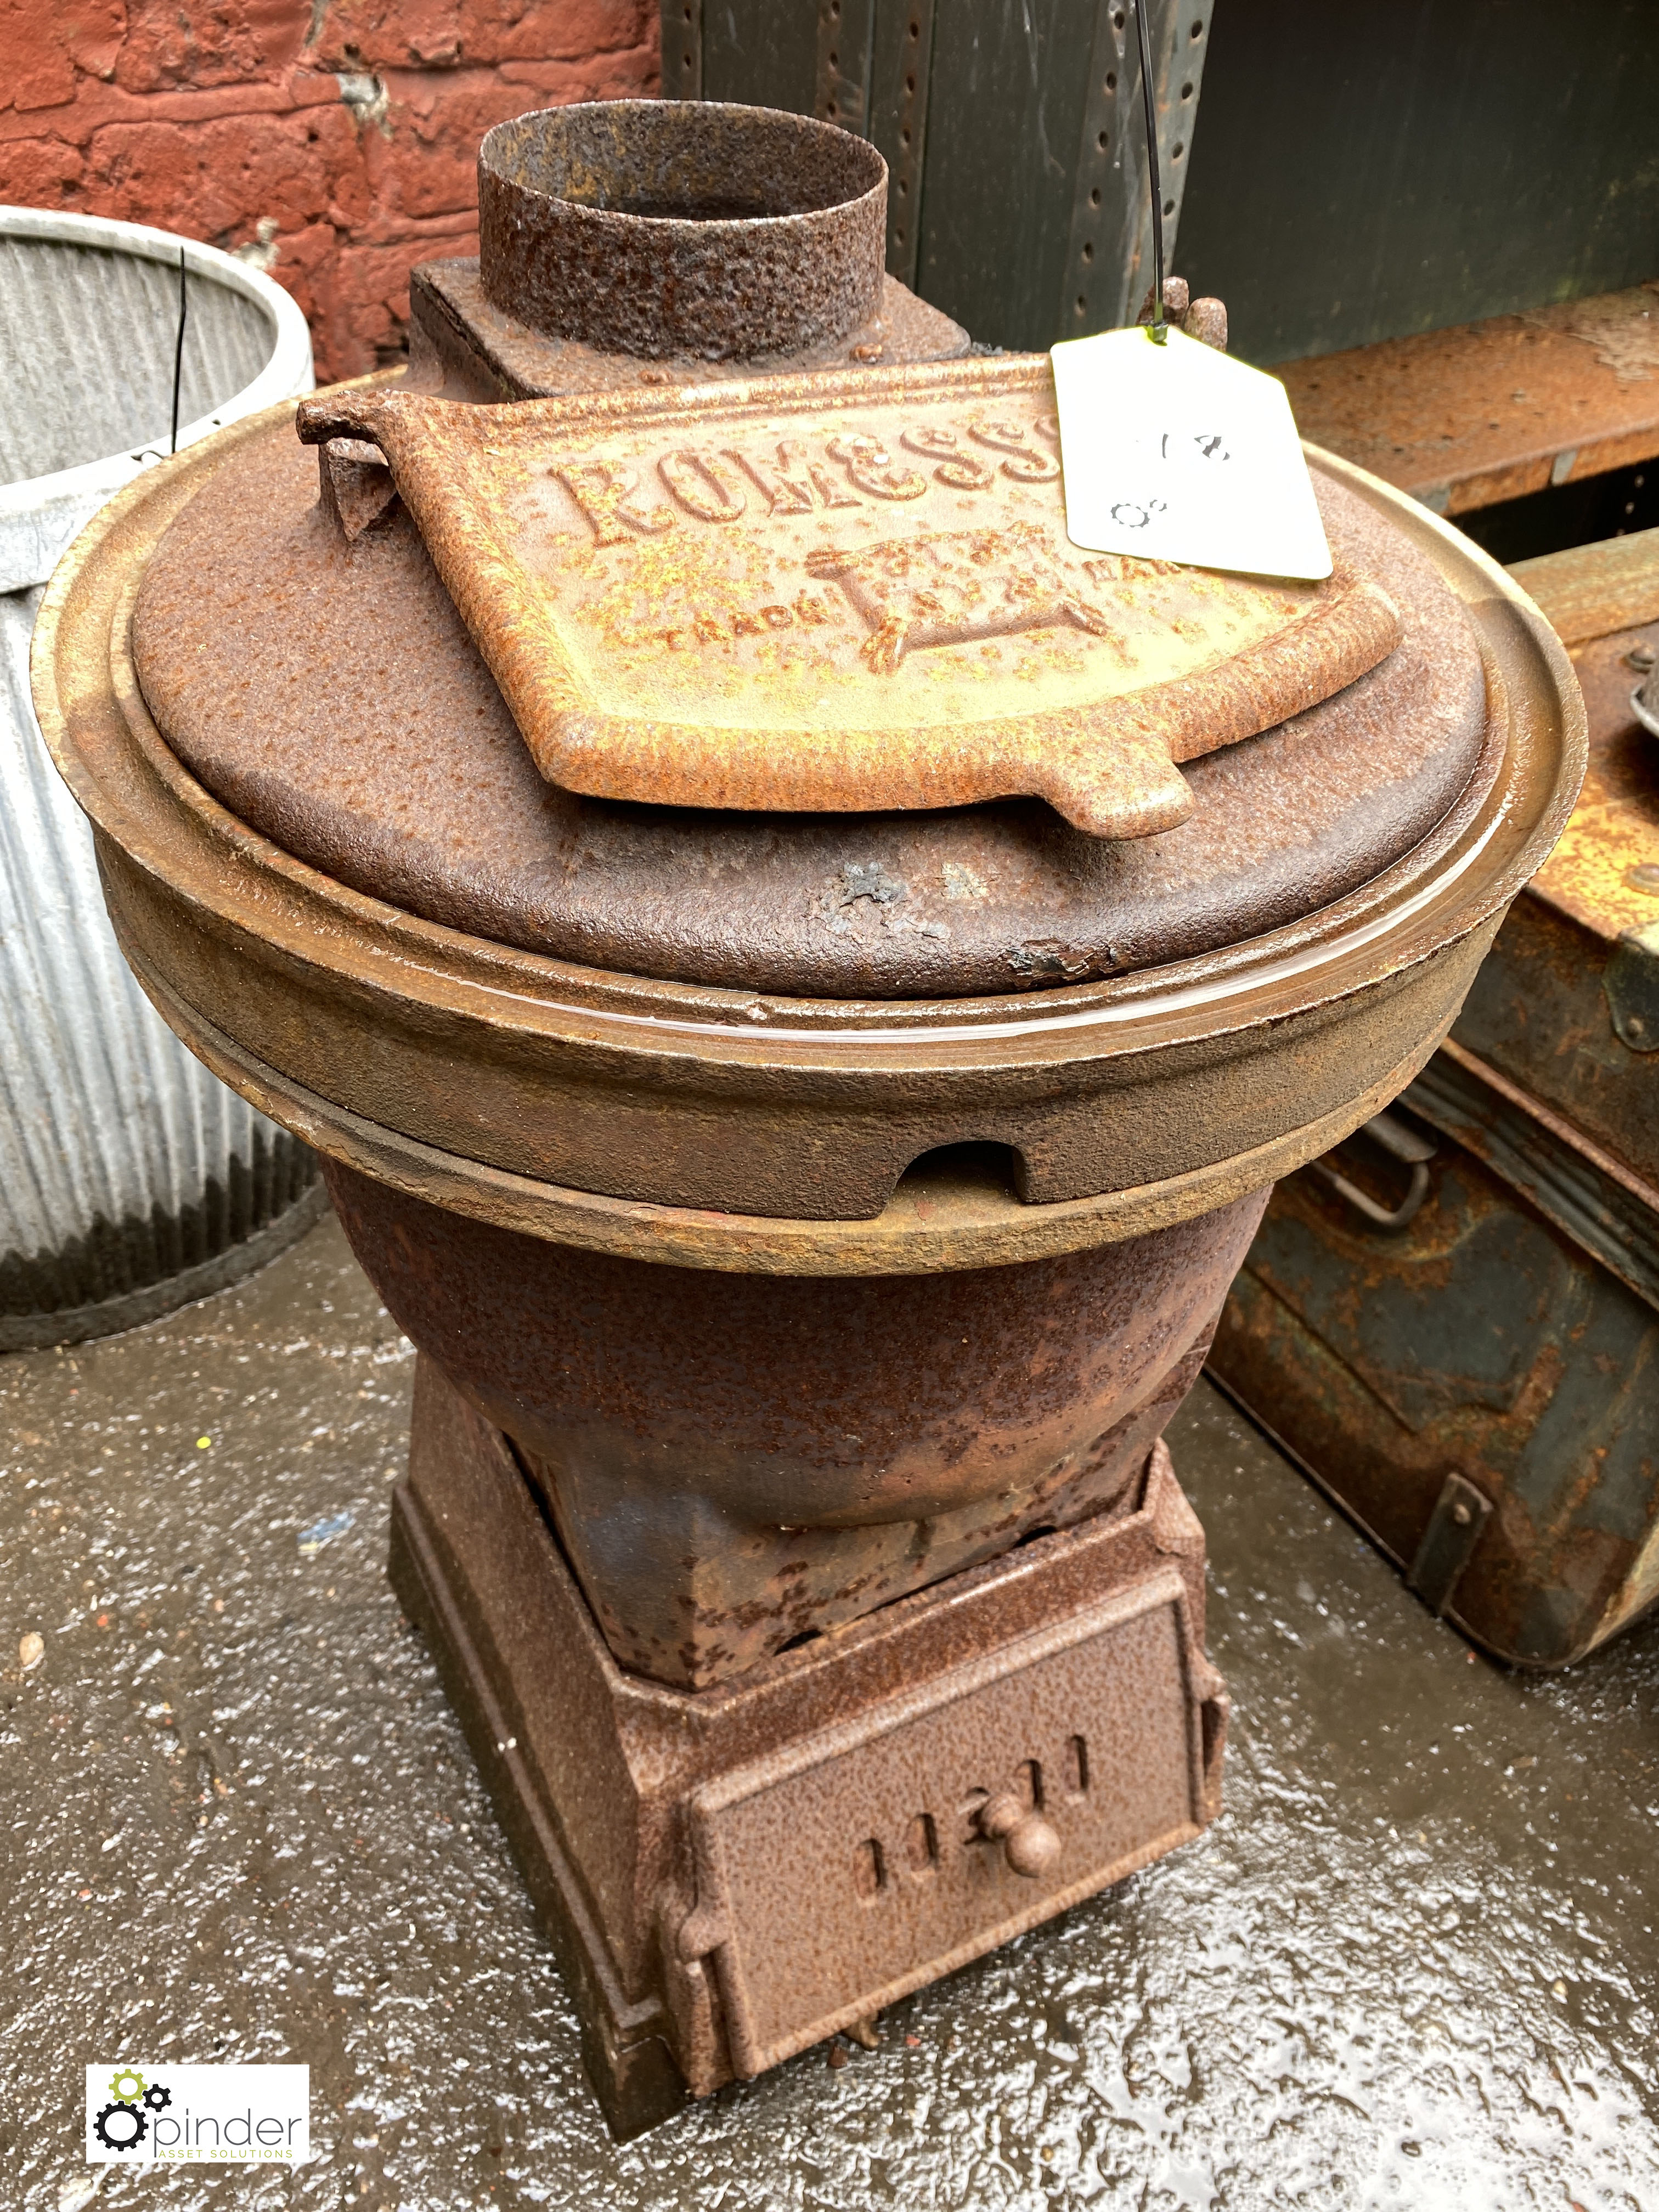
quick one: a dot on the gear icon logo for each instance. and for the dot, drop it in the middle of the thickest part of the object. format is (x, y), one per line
(120, 2126)
(158, 2097)
(126, 2085)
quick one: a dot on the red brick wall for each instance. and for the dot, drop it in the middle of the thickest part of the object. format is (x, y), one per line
(335, 140)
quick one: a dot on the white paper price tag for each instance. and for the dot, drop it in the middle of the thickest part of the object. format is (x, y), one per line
(1178, 452)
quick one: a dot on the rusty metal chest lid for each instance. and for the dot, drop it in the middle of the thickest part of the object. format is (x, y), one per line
(840, 594)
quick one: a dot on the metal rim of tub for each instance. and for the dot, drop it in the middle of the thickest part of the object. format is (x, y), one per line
(69, 497)
(192, 1221)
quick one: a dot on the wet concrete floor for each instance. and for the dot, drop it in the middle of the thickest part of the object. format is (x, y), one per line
(1414, 1964)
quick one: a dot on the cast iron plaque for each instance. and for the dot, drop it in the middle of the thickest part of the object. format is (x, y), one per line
(843, 593)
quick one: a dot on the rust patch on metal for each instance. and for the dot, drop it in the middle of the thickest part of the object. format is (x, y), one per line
(735, 1462)
(1541, 1010)
(462, 346)
(1489, 411)
(355, 486)
(1586, 592)
(1594, 873)
(842, 595)
(1485, 1341)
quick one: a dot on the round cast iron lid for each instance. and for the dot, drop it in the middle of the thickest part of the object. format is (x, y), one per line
(327, 691)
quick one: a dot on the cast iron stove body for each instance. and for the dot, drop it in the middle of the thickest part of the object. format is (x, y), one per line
(802, 980)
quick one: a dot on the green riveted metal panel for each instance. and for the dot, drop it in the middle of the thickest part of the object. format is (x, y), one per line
(901, 94)
(1011, 85)
(681, 49)
(753, 51)
(1012, 131)
(1386, 167)
(846, 41)
(1035, 222)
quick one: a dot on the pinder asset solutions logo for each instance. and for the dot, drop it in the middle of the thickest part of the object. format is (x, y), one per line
(198, 2115)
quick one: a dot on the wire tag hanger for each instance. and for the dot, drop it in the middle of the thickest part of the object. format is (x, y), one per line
(1158, 329)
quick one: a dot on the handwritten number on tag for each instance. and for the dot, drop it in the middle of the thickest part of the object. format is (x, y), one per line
(1128, 515)
(1211, 447)
(1177, 453)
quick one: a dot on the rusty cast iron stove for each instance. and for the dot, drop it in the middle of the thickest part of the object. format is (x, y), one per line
(802, 980)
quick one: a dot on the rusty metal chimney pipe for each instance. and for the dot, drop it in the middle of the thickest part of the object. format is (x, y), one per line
(652, 228)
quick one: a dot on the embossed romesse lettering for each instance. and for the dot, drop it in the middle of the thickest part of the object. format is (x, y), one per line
(840, 595)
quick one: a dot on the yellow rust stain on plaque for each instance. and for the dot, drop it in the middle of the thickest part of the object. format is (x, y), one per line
(840, 593)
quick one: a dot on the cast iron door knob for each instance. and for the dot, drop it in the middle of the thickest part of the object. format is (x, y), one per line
(1029, 1843)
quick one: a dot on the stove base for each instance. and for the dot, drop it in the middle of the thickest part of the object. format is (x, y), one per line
(730, 1875)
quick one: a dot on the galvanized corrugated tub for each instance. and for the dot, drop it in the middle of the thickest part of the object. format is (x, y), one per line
(130, 1180)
